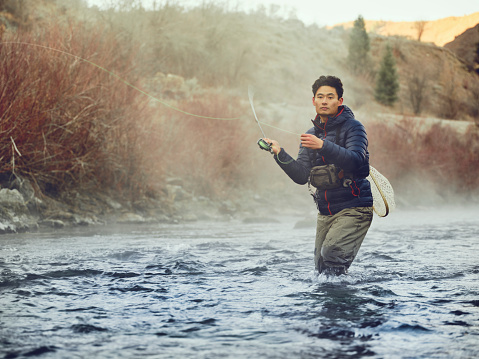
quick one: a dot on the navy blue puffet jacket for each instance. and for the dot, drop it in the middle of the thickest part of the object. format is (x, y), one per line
(351, 154)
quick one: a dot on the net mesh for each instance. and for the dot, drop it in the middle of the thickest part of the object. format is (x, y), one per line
(383, 193)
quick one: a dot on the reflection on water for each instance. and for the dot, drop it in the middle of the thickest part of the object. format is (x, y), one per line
(242, 290)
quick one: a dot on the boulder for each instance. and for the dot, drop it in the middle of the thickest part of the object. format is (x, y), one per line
(131, 218)
(14, 213)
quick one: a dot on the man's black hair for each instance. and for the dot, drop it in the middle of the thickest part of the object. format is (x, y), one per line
(332, 81)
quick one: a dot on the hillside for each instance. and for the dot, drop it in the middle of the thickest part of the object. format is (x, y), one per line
(465, 46)
(439, 32)
(211, 46)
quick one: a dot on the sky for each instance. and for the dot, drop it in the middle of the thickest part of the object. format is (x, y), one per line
(327, 13)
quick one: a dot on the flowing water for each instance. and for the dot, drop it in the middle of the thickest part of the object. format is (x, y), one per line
(231, 289)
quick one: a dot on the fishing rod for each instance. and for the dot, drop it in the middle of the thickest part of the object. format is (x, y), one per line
(261, 143)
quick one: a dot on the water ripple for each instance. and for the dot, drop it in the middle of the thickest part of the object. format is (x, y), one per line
(240, 290)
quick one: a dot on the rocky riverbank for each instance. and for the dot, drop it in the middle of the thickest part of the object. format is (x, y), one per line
(22, 209)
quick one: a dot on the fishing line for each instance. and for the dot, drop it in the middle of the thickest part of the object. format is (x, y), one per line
(144, 92)
(263, 144)
(279, 129)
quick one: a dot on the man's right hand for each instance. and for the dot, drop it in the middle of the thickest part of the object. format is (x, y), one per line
(276, 148)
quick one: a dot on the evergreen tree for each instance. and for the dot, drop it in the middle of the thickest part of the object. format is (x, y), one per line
(359, 46)
(387, 83)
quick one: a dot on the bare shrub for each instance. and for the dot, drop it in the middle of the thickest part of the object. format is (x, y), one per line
(474, 105)
(419, 26)
(206, 42)
(77, 126)
(73, 123)
(211, 155)
(418, 84)
(450, 101)
(412, 149)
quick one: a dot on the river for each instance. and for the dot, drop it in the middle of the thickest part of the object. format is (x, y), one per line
(242, 290)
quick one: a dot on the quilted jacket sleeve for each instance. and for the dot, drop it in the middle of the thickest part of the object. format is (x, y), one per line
(298, 170)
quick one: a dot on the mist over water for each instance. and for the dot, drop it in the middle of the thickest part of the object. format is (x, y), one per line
(231, 289)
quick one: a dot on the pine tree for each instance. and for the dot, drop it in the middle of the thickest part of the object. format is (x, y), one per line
(359, 46)
(387, 83)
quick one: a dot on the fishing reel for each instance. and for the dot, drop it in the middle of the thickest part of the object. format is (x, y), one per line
(265, 145)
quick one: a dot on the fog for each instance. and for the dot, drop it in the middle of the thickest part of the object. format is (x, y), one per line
(180, 77)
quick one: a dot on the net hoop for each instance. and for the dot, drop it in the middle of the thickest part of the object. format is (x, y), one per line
(382, 191)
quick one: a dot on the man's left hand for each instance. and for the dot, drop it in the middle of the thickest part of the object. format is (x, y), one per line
(311, 141)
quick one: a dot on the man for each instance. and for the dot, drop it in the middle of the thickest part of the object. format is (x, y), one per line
(345, 212)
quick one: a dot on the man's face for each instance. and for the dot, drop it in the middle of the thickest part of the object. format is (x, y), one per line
(326, 101)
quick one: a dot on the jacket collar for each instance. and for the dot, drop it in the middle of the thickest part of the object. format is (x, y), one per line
(344, 112)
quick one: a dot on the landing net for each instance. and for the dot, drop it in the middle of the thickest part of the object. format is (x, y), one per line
(383, 193)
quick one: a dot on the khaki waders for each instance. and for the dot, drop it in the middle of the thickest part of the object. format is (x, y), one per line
(339, 237)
